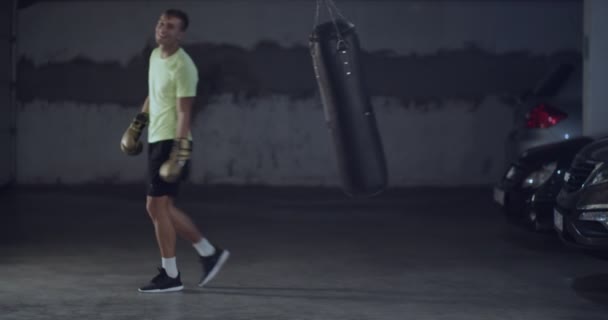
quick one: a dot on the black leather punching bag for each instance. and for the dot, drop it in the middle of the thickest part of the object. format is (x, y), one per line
(357, 144)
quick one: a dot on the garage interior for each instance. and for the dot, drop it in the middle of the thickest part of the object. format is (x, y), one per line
(443, 78)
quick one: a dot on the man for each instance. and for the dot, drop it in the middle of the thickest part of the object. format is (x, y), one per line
(172, 81)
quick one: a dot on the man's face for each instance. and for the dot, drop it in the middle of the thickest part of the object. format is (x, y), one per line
(168, 30)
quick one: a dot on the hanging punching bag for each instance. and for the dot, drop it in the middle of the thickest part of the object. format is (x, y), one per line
(335, 51)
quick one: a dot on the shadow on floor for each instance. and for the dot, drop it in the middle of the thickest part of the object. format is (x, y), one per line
(593, 288)
(530, 240)
(346, 294)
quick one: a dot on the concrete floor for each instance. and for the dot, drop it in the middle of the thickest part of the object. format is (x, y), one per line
(296, 254)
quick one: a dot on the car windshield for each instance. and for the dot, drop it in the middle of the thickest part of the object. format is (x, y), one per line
(565, 82)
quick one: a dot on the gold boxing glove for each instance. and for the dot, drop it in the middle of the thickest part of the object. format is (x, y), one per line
(130, 143)
(171, 170)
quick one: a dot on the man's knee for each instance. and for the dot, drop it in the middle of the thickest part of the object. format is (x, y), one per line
(157, 206)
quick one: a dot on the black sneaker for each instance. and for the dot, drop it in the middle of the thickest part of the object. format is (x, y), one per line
(212, 265)
(163, 283)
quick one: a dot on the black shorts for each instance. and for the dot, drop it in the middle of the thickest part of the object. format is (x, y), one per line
(158, 153)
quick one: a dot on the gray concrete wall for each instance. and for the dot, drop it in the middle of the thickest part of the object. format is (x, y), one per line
(595, 94)
(438, 72)
(7, 106)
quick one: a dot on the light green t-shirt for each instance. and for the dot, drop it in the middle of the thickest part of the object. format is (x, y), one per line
(170, 78)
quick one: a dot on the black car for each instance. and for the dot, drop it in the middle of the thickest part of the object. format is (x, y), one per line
(581, 211)
(529, 187)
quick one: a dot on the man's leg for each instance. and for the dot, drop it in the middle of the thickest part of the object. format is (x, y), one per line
(158, 209)
(212, 258)
(168, 278)
(183, 224)
(157, 205)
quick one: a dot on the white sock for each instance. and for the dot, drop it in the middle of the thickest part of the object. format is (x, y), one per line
(170, 266)
(204, 248)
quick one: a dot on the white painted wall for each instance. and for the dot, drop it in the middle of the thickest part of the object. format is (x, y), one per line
(276, 140)
(277, 143)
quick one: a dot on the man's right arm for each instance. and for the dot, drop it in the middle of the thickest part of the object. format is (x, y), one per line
(146, 107)
(130, 143)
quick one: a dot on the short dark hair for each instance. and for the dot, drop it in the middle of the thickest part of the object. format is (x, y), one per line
(180, 15)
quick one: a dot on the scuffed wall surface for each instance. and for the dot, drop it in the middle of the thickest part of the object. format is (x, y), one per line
(438, 73)
(469, 74)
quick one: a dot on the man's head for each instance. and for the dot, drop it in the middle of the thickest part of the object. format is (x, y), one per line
(171, 27)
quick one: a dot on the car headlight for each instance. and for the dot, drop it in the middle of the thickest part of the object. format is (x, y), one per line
(599, 175)
(596, 216)
(598, 206)
(540, 176)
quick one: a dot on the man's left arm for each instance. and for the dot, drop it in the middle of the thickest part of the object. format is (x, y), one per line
(186, 82)
(184, 116)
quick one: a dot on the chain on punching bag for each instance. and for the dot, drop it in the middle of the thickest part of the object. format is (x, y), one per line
(335, 51)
